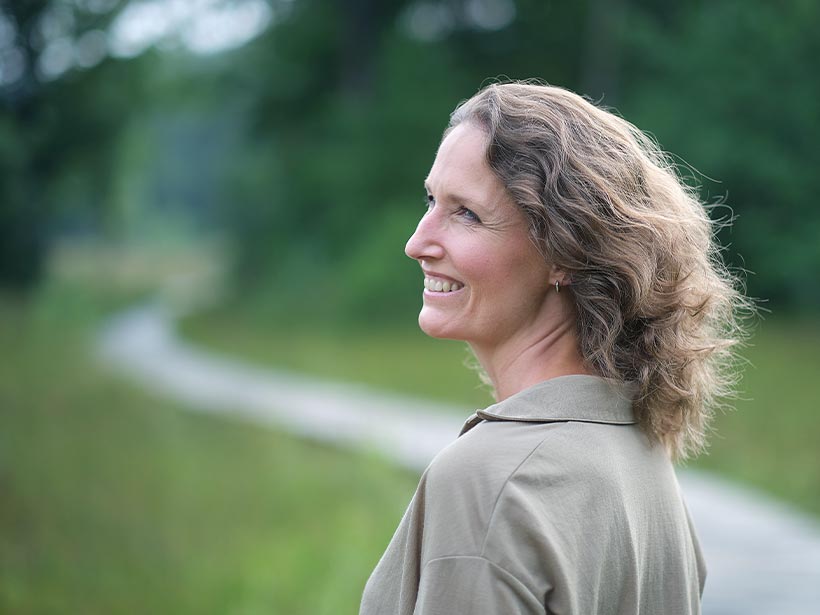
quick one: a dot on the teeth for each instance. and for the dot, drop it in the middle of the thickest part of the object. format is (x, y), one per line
(441, 286)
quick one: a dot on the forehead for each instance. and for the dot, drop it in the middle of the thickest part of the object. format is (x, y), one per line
(461, 174)
(461, 165)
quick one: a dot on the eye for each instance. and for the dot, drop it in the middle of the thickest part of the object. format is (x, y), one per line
(429, 201)
(469, 214)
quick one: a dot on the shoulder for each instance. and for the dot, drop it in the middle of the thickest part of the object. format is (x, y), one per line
(546, 466)
(481, 461)
(466, 481)
(494, 452)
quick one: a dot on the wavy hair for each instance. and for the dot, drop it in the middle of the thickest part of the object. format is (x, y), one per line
(655, 303)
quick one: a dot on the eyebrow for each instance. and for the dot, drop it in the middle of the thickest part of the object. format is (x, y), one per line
(455, 198)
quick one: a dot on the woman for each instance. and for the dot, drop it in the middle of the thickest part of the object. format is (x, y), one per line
(560, 244)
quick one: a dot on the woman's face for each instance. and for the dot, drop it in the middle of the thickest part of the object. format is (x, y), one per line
(485, 282)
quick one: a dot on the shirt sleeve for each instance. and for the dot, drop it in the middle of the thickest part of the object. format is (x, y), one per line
(475, 585)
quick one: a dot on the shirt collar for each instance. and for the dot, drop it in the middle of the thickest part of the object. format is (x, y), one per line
(578, 397)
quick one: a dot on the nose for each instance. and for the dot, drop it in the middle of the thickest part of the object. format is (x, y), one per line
(425, 242)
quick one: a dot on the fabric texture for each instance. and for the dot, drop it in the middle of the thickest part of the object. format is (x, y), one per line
(552, 501)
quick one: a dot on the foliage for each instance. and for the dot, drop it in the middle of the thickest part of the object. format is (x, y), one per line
(701, 77)
(306, 143)
(57, 135)
(323, 229)
(730, 87)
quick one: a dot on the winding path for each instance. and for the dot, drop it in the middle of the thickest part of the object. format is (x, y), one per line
(763, 557)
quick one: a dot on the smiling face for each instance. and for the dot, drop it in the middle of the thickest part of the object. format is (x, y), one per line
(485, 281)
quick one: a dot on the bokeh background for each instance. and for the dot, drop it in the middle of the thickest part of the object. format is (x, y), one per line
(269, 155)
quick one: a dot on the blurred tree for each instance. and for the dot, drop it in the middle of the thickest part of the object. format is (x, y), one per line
(61, 102)
(728, 86)
(321, 165)
(732, 87)
(349, 111)
(314, 139)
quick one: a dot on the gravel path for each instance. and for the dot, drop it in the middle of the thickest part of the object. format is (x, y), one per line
(763, 557)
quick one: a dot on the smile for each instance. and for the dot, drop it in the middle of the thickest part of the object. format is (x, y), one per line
(441, 286)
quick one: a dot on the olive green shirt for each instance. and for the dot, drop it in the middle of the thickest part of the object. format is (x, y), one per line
(551, 501)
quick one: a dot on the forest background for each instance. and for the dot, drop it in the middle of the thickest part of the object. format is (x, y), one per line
(288, 140)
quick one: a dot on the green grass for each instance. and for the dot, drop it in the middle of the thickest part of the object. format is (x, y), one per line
(770, 441)
(116, 502)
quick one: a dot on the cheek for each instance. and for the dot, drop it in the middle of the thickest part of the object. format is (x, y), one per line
(527, 277)
(482, 266)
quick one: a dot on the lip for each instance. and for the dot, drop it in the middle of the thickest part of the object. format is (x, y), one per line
(429, 294)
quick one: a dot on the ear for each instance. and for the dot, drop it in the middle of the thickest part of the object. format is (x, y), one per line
(562, 277)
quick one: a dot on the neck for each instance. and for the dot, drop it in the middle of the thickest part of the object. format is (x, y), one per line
(526, 360)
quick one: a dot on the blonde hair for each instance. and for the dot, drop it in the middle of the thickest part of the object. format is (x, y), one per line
(655, 303)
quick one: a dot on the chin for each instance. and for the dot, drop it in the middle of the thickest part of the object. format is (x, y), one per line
(434, 327)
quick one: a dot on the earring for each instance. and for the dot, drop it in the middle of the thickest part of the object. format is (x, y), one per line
(557, 286)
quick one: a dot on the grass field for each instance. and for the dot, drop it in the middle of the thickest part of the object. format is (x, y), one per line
(770, 441)
(116, 502)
